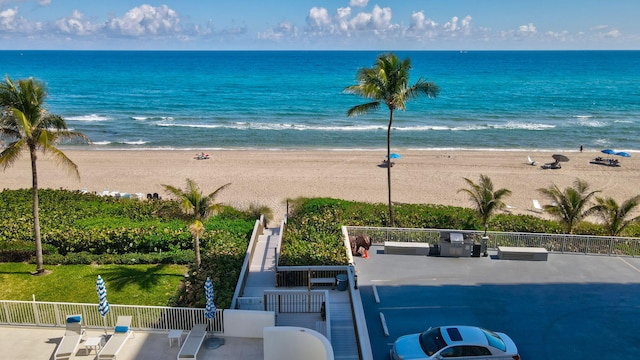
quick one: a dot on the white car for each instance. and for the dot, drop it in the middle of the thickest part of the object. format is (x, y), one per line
(464, 342)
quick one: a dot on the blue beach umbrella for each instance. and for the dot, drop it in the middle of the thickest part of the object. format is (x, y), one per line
(210, 313)
(608, 151)
(103, 304)
(210, 310)
(623, 154)
(394, 156)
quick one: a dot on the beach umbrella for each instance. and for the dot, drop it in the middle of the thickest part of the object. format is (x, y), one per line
(394, 156)
(103, 304)
(623, 154)
(560, 158)
(210, 310)
(608, 151)
(210, 313)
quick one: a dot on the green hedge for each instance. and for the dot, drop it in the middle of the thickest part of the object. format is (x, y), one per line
(314, 237)
(182, 257)
(72, 222)
(20, 250)
(81, 228)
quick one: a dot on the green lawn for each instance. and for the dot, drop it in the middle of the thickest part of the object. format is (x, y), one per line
(126, 284)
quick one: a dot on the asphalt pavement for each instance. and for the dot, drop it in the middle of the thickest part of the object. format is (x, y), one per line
(569, 307)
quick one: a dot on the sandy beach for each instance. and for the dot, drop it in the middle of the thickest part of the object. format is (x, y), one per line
(263, 177)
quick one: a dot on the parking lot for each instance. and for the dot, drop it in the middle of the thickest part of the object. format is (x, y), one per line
(569, 307)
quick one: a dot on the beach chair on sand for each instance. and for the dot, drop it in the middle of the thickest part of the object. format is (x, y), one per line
(193, 342)
(117, 340)
(536, 206)
(71, 339)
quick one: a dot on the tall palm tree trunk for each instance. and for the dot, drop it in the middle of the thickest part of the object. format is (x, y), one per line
(391, 222)
(36, 216)
(196, 249)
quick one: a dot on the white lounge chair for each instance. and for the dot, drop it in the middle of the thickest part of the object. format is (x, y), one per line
(71, 339)
(536, 206)
(193, 342)
(117, 340)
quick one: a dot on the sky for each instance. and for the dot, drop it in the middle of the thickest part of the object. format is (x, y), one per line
(320, 25)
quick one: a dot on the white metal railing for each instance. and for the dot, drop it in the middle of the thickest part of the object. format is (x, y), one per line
(294, 301)
(582, 244)
(160, 318)
(300, 301)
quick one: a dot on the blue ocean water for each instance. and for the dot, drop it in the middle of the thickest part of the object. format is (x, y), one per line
(294, 99)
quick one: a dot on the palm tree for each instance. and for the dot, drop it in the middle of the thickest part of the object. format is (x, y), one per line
(568, 206)
(388, 82)
(485, 199)
(197, 207)
(614, 216)
(31, 128)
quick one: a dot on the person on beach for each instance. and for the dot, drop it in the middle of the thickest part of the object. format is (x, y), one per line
(580, 147)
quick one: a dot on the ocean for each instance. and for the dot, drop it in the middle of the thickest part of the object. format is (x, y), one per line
(489, 100)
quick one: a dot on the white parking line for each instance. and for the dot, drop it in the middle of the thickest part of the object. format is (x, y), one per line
(626, 262)
(384, 325)
(375, 294)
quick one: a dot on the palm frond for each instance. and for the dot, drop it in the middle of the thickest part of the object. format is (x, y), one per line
(363, 109)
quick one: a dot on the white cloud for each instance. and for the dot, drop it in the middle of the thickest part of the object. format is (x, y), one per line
(11, 21)
(378, 19)
(342, 19)
(355, 25)
(282, 31)
(614, 33)
(456, 26)
(358, 3)
(146, 20)
(318, 18)
(527, 30)
(76, 25)
(420, 23)
(605, 31)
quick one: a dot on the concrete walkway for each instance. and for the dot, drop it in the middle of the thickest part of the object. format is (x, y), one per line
(262, 276)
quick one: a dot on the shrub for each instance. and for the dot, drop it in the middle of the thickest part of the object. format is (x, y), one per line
(21, 250)
(182, 257)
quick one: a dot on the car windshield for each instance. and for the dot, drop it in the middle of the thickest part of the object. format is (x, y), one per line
(431, 341)
(494, 340)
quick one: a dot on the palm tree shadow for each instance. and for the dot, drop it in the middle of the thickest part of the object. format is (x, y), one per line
(146, 278)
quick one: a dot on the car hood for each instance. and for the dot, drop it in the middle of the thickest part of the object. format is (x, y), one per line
(408, 347)
(511, 346)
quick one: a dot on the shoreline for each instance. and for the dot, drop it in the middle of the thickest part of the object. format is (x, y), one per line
(269, 178)
(338, 149)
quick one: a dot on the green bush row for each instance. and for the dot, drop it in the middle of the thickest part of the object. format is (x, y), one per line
(314, 236)
(20, 250)
(182, 257)
(73, 222)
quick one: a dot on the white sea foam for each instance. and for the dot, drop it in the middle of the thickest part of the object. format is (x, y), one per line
(137, 142)
(90, 117)
(512, 125)
(140, 118)
(591, 123)
(101, 143)
(355, 128)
